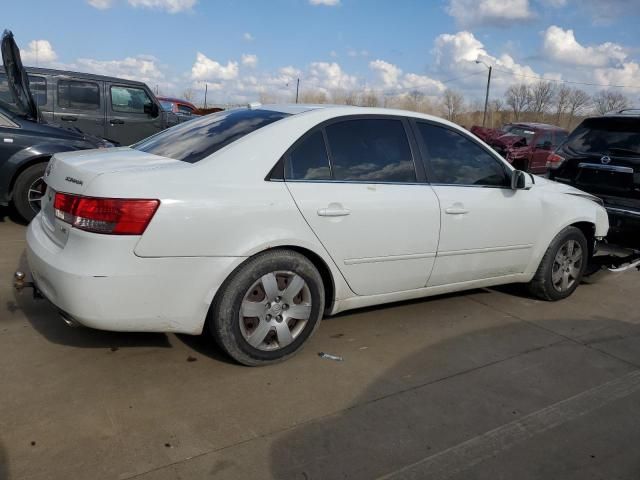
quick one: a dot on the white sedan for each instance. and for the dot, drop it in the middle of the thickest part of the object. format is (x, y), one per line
(251, 224)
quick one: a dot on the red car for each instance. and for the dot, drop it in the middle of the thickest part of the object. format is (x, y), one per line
(177, 105)
(525, 145)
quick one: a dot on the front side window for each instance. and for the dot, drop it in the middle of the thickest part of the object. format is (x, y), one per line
(308, 160)
(129, 99)
(456, 160)
(375, 150)
(198, 138)
(78, 95)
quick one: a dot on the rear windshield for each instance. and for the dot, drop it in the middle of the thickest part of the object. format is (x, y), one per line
(615, 136)
(194, 140)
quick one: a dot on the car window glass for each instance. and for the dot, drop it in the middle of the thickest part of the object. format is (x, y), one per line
(606, 135)
(78, 95)
(185, 109)
(561, 137)
(198, 138)
(38, 87)
(5, 122)
(166, 106)
(456, 160)
(129, 99)
(375, 150)
(544, 140)
(308, 160)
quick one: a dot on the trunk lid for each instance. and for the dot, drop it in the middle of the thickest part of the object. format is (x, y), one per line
(73, 172)
(17, 78)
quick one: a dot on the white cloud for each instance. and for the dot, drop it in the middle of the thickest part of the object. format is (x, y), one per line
(246, 36)
(209, 70)
(328, 3)
(249, 60)
(489, 12)
(561, 45)
(329, 76)
(170, 6)
(627, 74)
(38, 52)
(390, 77)
(144, 68)
(386, 72)
(100, 4)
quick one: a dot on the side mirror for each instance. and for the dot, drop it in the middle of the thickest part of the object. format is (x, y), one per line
(151, 109)
(521, 180)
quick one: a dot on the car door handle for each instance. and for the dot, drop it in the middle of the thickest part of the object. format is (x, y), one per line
(116, 121)
(334, 210)
(456, 211)
(68, 118)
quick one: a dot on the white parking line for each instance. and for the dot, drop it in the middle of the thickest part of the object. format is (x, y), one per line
(465, 455)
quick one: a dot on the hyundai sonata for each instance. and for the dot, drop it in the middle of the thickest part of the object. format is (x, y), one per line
(253, 223)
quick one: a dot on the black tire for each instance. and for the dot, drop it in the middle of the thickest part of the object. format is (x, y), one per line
(542, 285)
(21, 190)
(224, 316)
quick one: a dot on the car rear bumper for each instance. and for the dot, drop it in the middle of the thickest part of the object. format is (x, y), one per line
(99, 282)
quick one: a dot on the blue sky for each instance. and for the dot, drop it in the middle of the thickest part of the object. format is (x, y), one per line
(245, 48)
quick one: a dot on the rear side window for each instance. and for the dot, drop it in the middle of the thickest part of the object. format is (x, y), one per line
(617, 136)
(185, 109)
(544, 141)
(308, 160)
(78, 95)
(375, 150)
(456, 160)
(129, 99)
(196, 139)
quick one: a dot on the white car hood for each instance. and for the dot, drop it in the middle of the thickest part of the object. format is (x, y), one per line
(546, 185)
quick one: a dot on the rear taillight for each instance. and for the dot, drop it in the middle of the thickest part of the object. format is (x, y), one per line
(115, 216)
(554, 161)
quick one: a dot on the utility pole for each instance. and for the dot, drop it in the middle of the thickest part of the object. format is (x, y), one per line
(486, 99)
(205, 94)
(297, 89)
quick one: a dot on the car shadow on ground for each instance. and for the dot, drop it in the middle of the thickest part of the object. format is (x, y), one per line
(8, 214)
(485, 378)
(4, 463)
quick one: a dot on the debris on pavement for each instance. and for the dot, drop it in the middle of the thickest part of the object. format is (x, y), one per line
(328, 356)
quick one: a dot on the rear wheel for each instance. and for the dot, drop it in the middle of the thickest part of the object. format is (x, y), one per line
(268, 308)
(562, 266)
(29, 190)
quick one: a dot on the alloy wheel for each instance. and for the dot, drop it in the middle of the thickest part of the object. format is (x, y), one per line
(275, 310)
(35, 193)
(567, 266)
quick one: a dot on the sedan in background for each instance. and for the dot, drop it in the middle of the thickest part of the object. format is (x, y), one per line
(251, 224)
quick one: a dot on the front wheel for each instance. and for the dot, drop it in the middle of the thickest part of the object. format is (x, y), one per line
(29, 190)
(268, 308)
(562, 266)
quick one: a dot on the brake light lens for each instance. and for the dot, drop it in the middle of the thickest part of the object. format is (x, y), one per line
(114, 216)
(554, 161)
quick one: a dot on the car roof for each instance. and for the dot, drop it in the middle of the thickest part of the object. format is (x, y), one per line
(175, 100)
(87, 76)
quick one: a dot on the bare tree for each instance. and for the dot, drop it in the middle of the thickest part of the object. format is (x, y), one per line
(189, 94)
(369, 99)
(517, 98)
(578, 101)
(412, 100)
(542, 93)
(452, 102)
(562, 102)
(608, 101)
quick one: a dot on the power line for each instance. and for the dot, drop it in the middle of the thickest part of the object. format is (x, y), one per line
(564, 81)
(429, 85)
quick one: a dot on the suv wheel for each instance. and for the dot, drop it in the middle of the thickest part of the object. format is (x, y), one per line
(268, 307)
(29, 190)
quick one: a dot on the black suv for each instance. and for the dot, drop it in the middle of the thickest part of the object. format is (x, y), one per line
(602, 156)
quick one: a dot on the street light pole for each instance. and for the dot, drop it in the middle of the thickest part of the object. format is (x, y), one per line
(297, 89)
(486, 99)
